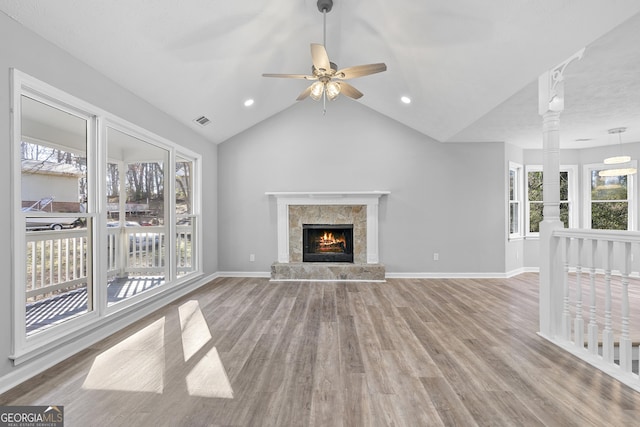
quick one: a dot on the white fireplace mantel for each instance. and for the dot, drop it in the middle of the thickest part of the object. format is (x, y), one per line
(370, 199)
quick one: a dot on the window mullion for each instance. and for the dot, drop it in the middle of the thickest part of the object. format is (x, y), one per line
(169, 203)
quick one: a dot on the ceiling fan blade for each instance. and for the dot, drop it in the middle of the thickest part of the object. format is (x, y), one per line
(361, 70)
(350, 91)
(305, 93)
(319, 57)
(291, 76)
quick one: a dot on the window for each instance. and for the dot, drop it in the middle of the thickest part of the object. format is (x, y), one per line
(102, 223)
(55, 217)
(136, 227)
(185, 217)
(534, 208)
(515, 200)
(609, 201)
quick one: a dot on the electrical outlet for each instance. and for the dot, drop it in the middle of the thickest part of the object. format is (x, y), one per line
(252, 257)
(436, 256)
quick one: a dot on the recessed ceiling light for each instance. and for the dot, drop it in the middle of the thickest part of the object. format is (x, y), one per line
(406, 100)
(248, 102)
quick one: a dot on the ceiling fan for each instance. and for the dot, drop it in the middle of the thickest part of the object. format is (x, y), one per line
(329, 80)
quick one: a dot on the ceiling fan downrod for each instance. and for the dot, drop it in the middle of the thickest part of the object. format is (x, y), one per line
(325, 6)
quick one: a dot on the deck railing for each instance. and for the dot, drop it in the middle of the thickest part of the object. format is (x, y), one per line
(595, 298)
(184, 248)
(136, 250)
(57, 260)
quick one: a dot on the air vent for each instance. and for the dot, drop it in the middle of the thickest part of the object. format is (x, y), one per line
(202, 121)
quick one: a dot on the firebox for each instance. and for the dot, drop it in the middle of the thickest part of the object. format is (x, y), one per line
(327, 242)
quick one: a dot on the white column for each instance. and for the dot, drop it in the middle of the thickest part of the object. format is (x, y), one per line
(550, 105)
(551, 254)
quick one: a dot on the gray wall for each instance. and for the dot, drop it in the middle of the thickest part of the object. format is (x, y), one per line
(445, 198)
(22, 49)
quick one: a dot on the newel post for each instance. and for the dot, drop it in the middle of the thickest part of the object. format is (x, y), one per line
(550, 105)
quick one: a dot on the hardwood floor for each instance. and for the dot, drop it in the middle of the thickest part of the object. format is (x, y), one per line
(402, 353)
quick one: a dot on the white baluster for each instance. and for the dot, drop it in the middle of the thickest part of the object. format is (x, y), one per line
(579, 321)
(625, 341)
(42, 244)
(593, 324)
(607, 333)
(67, 277)
(566, 314)
(59, 260)
(51, 268)
(34, 266)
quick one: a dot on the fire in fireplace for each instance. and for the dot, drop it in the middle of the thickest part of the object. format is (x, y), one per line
(327, 242)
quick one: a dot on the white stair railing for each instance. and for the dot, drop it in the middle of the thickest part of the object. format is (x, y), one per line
(607, 258)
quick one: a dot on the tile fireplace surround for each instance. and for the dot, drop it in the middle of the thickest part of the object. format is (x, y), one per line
(358, 208)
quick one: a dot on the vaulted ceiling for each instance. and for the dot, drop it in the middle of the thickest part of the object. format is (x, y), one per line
(469, 67)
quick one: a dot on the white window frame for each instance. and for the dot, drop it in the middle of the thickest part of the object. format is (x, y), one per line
(151, 139)
(23, 346)
(196, 207)
(26, 347)
(632, 221)
(572, 175)
(517, 169)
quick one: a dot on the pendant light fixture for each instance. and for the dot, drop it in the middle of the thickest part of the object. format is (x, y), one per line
(623, 161)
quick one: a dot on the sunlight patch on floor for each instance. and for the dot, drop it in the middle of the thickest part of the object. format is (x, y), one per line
(134, 286)
(208, 378)
(195, 331)
(135, 364)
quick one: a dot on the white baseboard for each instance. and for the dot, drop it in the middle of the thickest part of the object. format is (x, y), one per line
(445, 275)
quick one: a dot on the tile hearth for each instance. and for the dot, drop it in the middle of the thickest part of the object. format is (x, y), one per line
(327, 271)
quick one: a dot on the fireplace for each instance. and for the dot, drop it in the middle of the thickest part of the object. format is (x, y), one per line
(327, 243)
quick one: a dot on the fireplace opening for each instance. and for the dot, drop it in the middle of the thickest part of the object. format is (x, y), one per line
(327, 242)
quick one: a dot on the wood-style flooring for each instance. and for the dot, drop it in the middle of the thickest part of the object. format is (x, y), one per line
(249, 352)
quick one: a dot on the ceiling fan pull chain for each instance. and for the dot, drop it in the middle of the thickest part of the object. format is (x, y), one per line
(324, 103)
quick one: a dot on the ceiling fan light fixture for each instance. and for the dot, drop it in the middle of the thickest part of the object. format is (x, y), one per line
(316, 91)
(333, 90)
